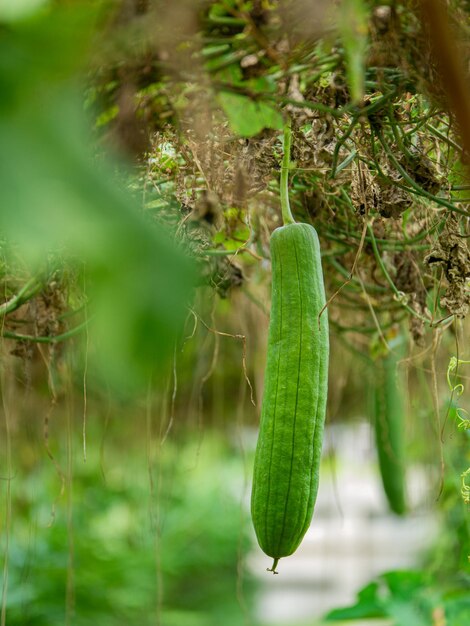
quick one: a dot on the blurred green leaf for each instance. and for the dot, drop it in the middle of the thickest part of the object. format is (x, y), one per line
(248, 117)
(368, 605)
(405, 597)
(353, 23)
(58, 196)
(12, 10)
(457, 609)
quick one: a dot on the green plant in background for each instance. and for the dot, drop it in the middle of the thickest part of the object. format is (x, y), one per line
(448, 558)
(407, 598)
(354, 18)
(122, 550)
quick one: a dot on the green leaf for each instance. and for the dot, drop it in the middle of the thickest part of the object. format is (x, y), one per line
(248, 117)
(231, 74)
(219, 237)
(262, 84)
(405, 583)
(407, 597)
(368, 605)
(457, 609)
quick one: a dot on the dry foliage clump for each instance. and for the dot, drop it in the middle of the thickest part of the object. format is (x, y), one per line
(196, 92)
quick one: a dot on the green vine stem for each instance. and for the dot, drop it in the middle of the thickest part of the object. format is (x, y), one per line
(28, 291)
(400, 296)
(287, 216)
(415, 188)
(52, 339)
(444, 138)
(340, 143)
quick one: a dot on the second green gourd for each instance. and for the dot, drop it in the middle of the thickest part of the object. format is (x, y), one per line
(389, 424)
(286, 471)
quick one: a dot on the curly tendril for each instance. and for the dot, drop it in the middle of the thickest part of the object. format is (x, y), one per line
(463, 417)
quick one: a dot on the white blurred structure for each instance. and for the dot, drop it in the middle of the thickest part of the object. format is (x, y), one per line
(353, 536)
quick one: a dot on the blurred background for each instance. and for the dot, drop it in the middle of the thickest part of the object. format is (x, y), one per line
(140, 147)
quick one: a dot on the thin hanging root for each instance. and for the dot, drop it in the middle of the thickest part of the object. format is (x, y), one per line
(248, 251)
(165, 421)
(241, 338)
(215, 352)
(173, 399)
(351, 273)
(85, 374)
(149, 452)
(70, 570)
(417, 357)
(8, 508)
(103, 438)
(203, 380)
(58, 469)
(437, 296)
(191, 312)
(182, 223)
(373, 314)
(215, 356)
(47, 418)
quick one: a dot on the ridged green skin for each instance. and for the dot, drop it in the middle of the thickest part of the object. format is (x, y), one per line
(287, 460)
(389, 425)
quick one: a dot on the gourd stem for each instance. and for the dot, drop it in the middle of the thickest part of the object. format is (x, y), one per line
(273, 568)
(287, 216)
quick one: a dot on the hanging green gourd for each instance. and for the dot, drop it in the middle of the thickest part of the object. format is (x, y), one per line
(389, 423)
(286, 470)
